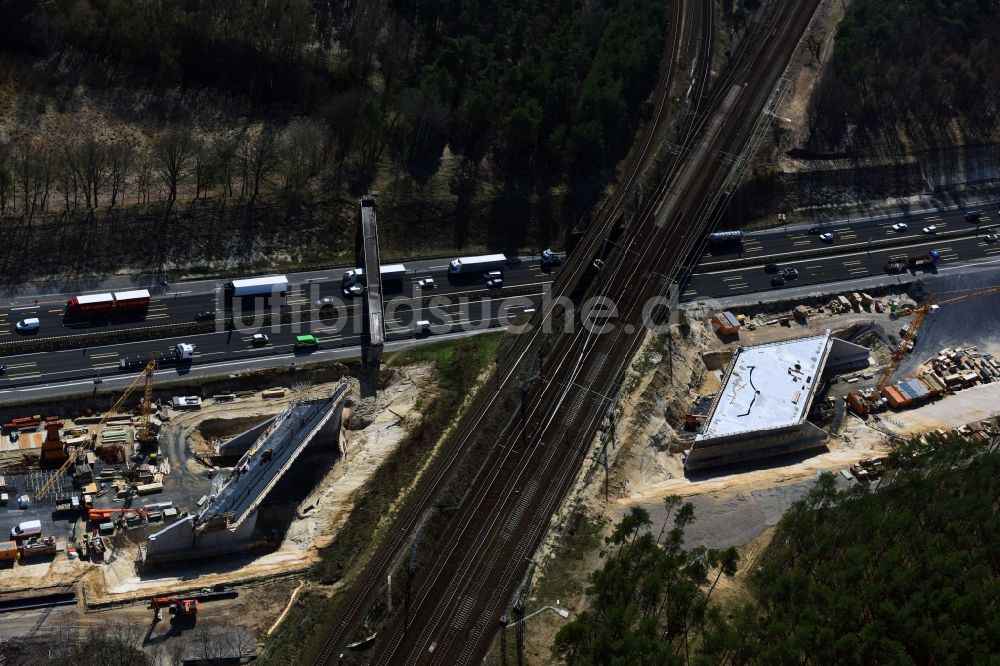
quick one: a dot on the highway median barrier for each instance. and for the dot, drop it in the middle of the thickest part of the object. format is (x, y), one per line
(828, 250)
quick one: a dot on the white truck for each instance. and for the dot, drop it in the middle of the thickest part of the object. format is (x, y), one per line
(266, 285)
(180, 354)
(354, 279)
(480, 264)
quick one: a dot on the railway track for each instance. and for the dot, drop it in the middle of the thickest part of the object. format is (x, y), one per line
(504, 518)
(390, 550)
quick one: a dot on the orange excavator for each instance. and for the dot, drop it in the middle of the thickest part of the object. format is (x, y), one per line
(101, 515)
(179, 608)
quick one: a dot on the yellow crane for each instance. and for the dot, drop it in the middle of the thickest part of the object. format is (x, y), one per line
(147, 374)
(861, 403)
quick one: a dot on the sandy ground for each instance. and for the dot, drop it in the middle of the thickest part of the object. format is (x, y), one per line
(383, 422)
(379, 424)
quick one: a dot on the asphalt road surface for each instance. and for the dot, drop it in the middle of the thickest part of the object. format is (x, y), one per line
(797, 238)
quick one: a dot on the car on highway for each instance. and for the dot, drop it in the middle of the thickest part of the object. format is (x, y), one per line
(973, 215)
(827, 237)
(259, 339)
(992, 238)
(493, 275)
(790, 273)
(306, 341)
(550, 258)
(814, 230)
(770, 268)
(29, 325)
(777, 281)
(205, 315)
(426, 283)
(3, 369)
(355, 289)
(899, 226)
(932, 229)
(494, 283)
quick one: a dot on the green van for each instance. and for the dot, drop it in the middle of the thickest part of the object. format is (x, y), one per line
(306, 341)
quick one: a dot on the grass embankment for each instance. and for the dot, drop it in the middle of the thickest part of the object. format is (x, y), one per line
(458, 365)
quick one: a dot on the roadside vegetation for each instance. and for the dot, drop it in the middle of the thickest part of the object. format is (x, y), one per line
(904, 572)
(927, 71)
(226, 133)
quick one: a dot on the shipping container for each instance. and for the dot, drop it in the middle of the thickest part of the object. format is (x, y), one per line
(90, 303)
(137, 299)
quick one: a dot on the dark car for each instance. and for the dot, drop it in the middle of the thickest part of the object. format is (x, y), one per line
(770, 268)
(3, 369)
(777, 281)
(790, 273)
(814, 230)
(205, 315)
(973, 215)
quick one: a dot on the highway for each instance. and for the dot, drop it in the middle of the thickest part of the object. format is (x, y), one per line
(796, 238)
(233, 349)
(180, 302)
(852, 265)
(344, 331)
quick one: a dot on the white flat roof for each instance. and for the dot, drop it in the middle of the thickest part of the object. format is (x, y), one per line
(128, 295)
(769, 386)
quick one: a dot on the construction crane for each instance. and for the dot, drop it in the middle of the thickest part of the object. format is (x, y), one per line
(144, 434)
(100, 515)
(146, 373)
(862, 402)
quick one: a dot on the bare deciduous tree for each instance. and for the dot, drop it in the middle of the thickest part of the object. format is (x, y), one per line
(173, 152)
(225, 148)
(258, 158)
(121, 158)
(300, 152)
(88, 158)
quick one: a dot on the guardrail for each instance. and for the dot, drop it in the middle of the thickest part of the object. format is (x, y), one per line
(827, 250)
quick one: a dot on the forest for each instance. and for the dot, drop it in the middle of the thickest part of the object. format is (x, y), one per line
(903, 572)
(923, 69)
(300, 103)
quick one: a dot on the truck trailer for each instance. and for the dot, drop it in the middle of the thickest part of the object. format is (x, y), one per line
(480, 264)
(266, 285)
(180, 354)
(136, 299)
(721, 237)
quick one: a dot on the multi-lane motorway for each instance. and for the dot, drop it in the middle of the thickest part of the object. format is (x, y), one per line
(178, 303)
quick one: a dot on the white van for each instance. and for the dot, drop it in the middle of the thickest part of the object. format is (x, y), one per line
(27, 325)
(26, 529)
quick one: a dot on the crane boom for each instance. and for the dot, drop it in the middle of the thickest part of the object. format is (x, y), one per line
(44, 490)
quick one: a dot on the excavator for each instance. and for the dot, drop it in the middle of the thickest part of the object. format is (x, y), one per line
(866, 401)
(179, 608)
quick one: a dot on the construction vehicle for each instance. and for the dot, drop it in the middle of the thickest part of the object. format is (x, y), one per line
(146, 374)
(37, 547)
(101, 515)
(927, 260)
(897, 264)
(180, 354)
(179, 608)
(866, 402)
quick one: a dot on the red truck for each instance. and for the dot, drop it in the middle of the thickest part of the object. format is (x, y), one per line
(137, 299)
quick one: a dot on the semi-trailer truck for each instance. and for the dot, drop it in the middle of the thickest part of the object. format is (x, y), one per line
(387, 271)
(137, 299)
(180, 354)
(480, 264)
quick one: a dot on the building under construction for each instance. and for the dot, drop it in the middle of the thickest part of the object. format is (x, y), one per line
(228, 521)
(767, 391)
